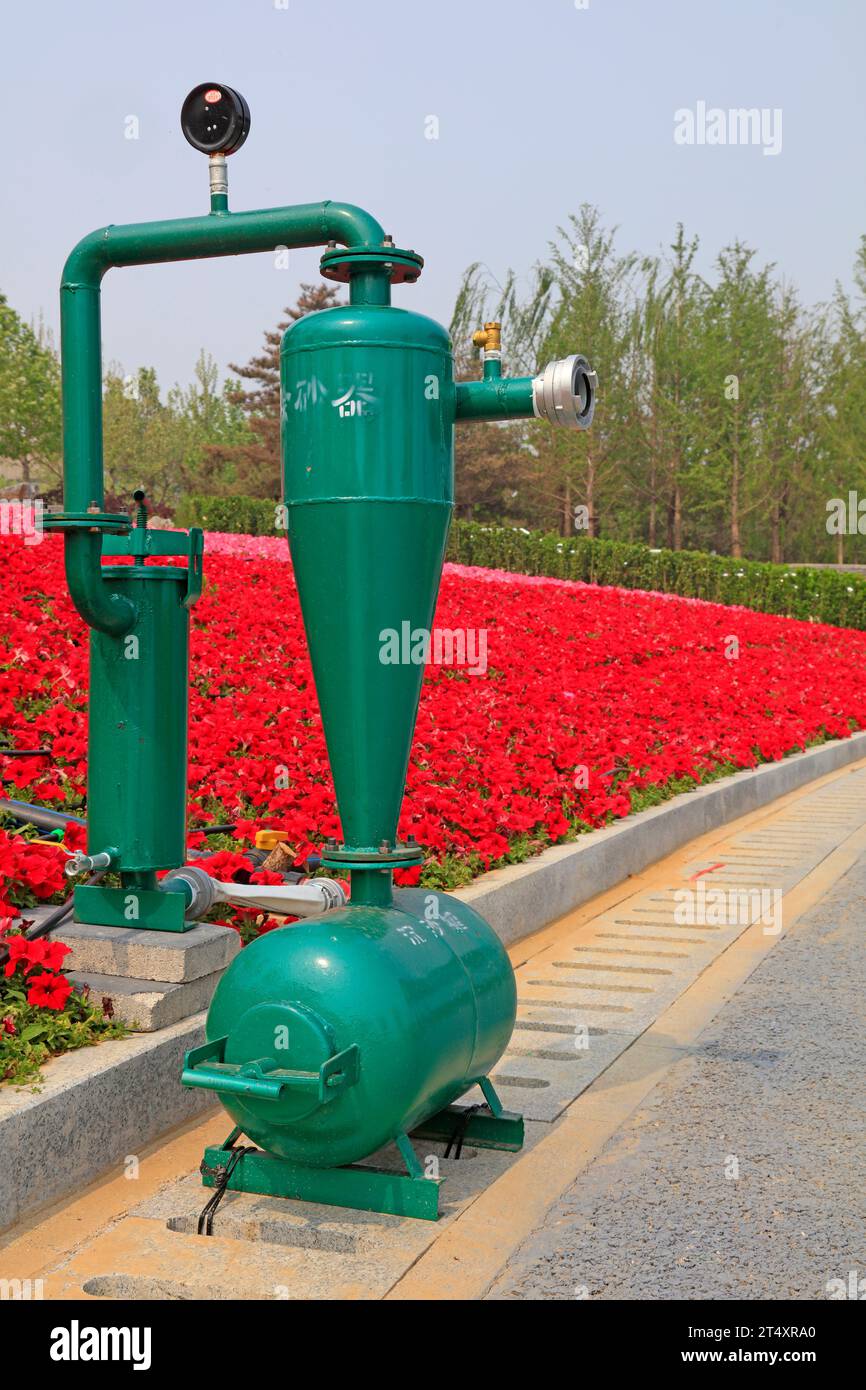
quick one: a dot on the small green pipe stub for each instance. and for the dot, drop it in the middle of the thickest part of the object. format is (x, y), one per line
(403, 266)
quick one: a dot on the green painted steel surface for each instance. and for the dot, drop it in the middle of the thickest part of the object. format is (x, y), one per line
(495, 398)
(368, 413)
(137, 732)
(423, 989)
(131, 906)
(137, 758)
(363, 1189)
(148, 243)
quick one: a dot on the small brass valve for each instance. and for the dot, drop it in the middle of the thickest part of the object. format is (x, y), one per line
(489, 337)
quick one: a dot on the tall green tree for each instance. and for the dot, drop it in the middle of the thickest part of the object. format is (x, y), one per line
(737, 363)
(667, 336)
(29, 398)
(593, 314)
(842, 426)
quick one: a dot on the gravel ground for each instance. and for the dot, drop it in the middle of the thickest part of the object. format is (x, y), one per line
(742, 1176)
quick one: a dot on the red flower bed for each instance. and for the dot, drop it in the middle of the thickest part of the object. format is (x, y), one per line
(594, 701)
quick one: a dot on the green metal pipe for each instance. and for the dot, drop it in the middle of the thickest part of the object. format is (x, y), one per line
(99, 605)
(370, 286)
(187, 238)
(495, 398)
(143, 879)
(146, 243)
(231, 234)
(372, 887)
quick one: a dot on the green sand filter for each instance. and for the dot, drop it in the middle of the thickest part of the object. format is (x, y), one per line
(362, 1025)
(391, 1009)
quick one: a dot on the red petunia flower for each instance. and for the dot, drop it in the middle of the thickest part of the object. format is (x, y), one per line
(49, 991)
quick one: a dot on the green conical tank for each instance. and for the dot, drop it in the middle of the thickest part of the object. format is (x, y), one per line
(367, 432)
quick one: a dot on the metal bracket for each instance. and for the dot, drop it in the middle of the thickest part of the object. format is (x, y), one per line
(356, 1186)
(154, 910)
(144, 541)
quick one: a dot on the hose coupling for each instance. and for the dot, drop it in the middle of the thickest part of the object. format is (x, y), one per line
(564, 393)
(80, 863)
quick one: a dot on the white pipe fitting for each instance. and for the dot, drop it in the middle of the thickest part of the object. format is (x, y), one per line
(310, 899)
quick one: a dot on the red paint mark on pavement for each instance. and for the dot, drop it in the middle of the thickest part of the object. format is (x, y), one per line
(701, 872)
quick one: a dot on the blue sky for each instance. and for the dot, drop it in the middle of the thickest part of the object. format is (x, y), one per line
(540, 106)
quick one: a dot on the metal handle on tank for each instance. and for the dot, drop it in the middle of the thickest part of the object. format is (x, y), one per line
(263, 1078)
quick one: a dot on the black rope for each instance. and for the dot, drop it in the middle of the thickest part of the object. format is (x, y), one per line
(459, 1132)
(221, 1176)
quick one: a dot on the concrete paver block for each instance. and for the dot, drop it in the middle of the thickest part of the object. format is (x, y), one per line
(146, 1005)
(148, 955)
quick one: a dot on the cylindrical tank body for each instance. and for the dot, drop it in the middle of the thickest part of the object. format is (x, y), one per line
(137, 736)
(368, 424)
(424, 989)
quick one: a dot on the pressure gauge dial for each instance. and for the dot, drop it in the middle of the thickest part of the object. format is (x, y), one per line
(215, 119)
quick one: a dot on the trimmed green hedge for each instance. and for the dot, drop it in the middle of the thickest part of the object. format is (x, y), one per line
(826, 596)
(246, 516)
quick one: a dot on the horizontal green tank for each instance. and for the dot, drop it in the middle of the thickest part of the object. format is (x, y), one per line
(423, 990)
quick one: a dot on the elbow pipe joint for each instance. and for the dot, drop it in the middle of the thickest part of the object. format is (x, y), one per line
(148, 243)
(229, 234)
(98, 605)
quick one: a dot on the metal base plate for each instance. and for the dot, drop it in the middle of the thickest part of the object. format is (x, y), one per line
(131, 907)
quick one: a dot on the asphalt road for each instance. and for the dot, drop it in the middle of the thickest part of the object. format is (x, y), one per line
(742, 1176)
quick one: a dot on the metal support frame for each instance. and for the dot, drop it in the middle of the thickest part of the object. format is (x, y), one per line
(358, 1186)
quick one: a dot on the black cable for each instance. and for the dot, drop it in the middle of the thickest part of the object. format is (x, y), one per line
(40, 816)
(459, 1132)
(221, 1181)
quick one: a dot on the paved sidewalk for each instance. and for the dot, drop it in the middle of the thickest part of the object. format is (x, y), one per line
(742, 1175)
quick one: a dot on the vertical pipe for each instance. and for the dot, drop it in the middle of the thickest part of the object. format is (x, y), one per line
(372, 285)
(144, 880)
(81, 354)
(372, 887)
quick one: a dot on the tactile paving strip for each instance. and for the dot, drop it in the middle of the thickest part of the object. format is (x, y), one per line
(585, 999)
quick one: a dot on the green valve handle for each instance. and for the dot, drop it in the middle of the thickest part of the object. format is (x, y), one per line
(263, 1078)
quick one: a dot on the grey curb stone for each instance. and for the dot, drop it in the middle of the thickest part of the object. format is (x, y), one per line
(94, 1108)
(523, 898)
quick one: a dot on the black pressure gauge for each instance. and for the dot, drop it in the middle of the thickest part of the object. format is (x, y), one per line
(215, 119)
